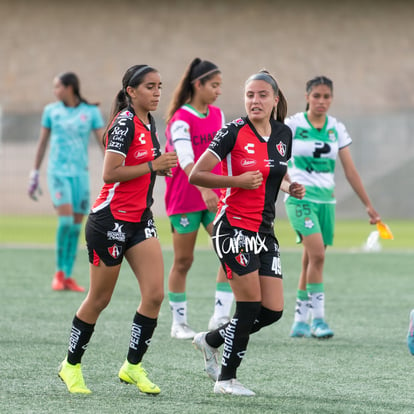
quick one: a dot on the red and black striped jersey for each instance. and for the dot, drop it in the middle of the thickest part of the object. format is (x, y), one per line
(138, 143)
(240, 148)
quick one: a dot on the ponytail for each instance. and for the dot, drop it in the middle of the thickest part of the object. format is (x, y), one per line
(133, 77)
(121, 101)
(281, 109)
(198, 69)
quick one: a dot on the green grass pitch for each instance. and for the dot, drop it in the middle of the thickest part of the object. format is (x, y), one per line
(350, 234)
(365, 368)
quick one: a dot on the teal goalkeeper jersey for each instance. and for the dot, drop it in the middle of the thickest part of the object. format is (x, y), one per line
(314, 154)
(70, 130)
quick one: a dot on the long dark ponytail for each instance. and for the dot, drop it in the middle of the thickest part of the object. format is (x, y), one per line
(133, 77)
(198, 69)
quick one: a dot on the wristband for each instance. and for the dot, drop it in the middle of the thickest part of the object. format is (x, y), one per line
(150, 167)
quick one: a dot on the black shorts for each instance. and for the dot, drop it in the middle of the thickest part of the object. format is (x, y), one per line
(243, 251)
(108, 239)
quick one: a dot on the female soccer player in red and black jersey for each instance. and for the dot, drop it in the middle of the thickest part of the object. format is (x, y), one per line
(253, 152)
(121, 224)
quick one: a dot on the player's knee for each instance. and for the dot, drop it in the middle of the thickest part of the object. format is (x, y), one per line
(99, 304)
(318, 258)
(157, 299)
(266, 317)
(65, 223)
(154, 299)
(277, 315)
(183, 263)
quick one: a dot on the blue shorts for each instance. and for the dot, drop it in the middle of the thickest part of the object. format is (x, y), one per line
(70, 190)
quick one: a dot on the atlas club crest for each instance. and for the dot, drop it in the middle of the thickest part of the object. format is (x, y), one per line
(281, 148)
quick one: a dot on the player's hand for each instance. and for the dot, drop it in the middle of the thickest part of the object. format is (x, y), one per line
(165, 173)
(165, 162)
(250, 180)
(374, 217)
(297, 190)
(34, 189)
(210, 198)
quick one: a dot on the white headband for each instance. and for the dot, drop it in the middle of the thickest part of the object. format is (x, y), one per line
(205, 74)
(138, 72)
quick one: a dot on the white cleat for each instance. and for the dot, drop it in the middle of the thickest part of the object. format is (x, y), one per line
(217, 323)
(210, 355)
(232, 386)
(182, 331)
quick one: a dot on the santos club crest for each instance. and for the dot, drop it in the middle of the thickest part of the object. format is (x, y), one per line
(281, 147)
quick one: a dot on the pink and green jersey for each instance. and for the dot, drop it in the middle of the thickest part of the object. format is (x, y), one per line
(191, 132)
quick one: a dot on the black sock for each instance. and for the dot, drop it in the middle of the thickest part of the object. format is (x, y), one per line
(216, 338)
(237, 337)
(80, 335)
(141, 334)
(264, 318)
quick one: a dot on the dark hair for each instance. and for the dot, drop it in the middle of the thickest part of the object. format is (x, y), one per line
(281, 109)
(71, 79)
(316, 81)
(198, 69)
(133, 77)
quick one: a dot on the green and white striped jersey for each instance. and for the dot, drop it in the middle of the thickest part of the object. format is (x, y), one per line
(314, 154)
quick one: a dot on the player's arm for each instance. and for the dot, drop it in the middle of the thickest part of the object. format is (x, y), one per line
(41, 147)
(181, 138)
(34, 186)
(115, 171)
(201, 175)
(219, 148)
(120, 137)
(354, 179)
(99, 132)
(209, 197)
(292, 188)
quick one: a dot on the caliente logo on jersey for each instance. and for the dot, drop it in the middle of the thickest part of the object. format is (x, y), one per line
(248, 162)
(140, 154)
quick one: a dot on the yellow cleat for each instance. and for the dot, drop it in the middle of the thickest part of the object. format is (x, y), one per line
(136, 374)
(72, 376)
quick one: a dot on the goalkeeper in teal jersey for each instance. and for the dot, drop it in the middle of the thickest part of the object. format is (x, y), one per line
(318, 139)
(68, 124)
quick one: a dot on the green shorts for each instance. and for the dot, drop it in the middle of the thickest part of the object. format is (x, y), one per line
(309, 218)
(188, 222)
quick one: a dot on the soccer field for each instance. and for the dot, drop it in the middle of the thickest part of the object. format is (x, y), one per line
(365, 368)
(19, 230)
